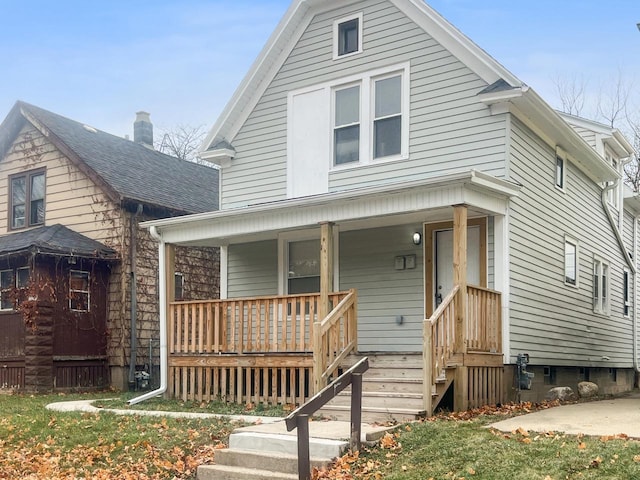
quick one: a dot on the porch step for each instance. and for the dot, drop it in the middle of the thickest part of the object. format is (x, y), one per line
(226, 472)
(373, 414)
(271, 461)
(383, 400)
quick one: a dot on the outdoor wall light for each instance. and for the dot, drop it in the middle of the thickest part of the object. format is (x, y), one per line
(417, 238)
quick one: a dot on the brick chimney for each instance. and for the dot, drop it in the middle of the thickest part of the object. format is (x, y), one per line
(143, 129)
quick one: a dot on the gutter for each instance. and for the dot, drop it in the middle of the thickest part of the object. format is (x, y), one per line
(162, 287)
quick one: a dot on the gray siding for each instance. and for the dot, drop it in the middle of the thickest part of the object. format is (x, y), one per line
(588, 135)
(551, 321)
(367, 264)
(252, 269)
(450, 130)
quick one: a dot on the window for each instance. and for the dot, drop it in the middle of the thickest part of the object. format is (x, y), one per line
(179, 286)
(10, 281)
(346, 134)
(304, 267)
(560, 172)
(625, 292)
(369, 120)
(570, 262)
(79, 291)
(387, 122)
(600, 286)
(549, 374)
(347, 36)
(27, 199)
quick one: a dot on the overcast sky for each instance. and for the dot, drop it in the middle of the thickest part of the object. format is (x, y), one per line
(181, 60)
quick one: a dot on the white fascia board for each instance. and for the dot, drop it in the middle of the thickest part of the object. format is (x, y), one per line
(472, 188)
(612, 136)
(221, 156)
(554, 130)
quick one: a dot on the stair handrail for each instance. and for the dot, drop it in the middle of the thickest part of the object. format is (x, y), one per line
(299, 418)
(429, 352)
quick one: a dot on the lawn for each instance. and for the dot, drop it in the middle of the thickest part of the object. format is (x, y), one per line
(39, 444)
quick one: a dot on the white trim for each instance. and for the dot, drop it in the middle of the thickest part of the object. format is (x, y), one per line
(336, 26)
(575, 243)
(599, 264)
(501, 276)
(561, 155)
(628, 304)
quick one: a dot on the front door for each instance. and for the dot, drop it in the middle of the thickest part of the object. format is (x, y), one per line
(439, 260)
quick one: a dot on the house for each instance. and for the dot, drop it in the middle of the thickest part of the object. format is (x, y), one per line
(389, 189)
(78, 276)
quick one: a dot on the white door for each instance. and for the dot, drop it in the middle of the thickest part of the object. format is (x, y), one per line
(308, 152)
(443, 251)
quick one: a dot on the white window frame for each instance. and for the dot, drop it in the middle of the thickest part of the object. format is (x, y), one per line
(601, 296)
(373, 119)
(574, 242)
(283, 255)
(562, 178)
(626, 292)
(87, 292)
(613, 195)
(336, 35)
(335, 127)
(367, 113)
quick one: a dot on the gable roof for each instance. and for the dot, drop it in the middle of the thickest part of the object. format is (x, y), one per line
(292, 26)
(54, 240)
(128, 172)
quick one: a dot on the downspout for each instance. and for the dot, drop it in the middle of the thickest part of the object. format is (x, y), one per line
(162, 299)
(133, 240)
(636, 367)
(629, 262)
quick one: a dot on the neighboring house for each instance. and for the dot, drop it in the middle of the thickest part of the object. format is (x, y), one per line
(78, 277)
(375, 150)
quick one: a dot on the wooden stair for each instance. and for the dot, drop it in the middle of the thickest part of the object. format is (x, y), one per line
(392, 390)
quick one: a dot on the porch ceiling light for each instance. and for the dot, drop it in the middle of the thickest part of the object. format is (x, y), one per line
(417, 238)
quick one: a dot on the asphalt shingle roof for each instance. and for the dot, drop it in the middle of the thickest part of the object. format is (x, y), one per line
(137, 173)
(54, 239)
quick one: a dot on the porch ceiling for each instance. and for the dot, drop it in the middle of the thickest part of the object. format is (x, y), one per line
(420, 201)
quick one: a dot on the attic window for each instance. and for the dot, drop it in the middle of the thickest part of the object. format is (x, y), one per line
(26, 198)
(347, 36)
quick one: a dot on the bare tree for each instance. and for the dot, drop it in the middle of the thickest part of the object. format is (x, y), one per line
(571, 92)
(181, 141)
(613, 100)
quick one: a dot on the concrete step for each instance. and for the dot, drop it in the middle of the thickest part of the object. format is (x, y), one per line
(227, 472)
(274, 462)
(287, 444)
(373, 414)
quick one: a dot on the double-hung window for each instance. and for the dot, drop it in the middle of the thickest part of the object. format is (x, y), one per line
(369, 117)
(613, 194)
(387, 120)
(346, 133)
(27, 195)
(626, 292)
(600, 286)
(13, 282)
(79, 291)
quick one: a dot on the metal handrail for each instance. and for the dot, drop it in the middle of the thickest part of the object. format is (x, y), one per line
(299, 418)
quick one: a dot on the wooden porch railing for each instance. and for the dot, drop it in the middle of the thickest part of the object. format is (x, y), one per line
(333, 339)
(260, 350)
(245, 325)
(483, 333)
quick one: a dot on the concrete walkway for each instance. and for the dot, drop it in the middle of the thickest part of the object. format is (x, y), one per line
(597, 418)
(87, 406)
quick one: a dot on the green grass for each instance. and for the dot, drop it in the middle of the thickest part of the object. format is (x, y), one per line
(39, 444)
(216, 407)
(448, 449)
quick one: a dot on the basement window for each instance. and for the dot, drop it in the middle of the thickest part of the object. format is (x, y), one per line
(549, 374)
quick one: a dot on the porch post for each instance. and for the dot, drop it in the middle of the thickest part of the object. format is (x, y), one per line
(326, 268)
(460, 278)
(326, 287)
(170, 296)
